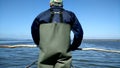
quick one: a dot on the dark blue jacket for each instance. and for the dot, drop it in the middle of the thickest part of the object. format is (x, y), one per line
(68, 17)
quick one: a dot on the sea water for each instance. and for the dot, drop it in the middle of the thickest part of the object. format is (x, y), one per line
(21, 57)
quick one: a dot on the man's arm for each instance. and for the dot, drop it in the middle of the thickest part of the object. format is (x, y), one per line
(35, 31)
(78, 33)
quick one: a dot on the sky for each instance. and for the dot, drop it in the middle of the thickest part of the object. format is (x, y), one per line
(100, 19)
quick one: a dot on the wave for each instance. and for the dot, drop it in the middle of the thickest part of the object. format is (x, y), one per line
(17, 46)
(33, 46)
(99, 49)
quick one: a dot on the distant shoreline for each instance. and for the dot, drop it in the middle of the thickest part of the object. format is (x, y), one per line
(10, 39)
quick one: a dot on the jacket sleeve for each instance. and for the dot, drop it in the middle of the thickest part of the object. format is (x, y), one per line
(78, 33)
(35, 31)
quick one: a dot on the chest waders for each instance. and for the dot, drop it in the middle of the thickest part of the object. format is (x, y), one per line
(54, 44)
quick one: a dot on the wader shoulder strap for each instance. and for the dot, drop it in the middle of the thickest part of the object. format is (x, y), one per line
(53, 13)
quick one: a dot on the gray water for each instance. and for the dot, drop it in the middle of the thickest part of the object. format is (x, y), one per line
(21, 57)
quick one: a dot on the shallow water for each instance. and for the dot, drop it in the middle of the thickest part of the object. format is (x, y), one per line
(20, 57)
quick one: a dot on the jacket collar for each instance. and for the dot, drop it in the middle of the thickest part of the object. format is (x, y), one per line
(56, 7)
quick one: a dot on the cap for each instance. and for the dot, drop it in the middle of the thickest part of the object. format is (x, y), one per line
(56, 2)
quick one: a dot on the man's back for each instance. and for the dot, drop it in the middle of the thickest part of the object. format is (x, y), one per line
(51, 32)
(68, 18)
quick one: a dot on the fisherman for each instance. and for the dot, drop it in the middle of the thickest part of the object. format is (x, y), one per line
(51, 33)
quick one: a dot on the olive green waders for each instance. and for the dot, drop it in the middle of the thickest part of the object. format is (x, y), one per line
(54, 45)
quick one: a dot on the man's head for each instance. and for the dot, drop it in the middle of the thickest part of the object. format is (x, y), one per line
(56, 3)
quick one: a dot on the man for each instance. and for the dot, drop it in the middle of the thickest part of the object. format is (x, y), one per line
(51, 33)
